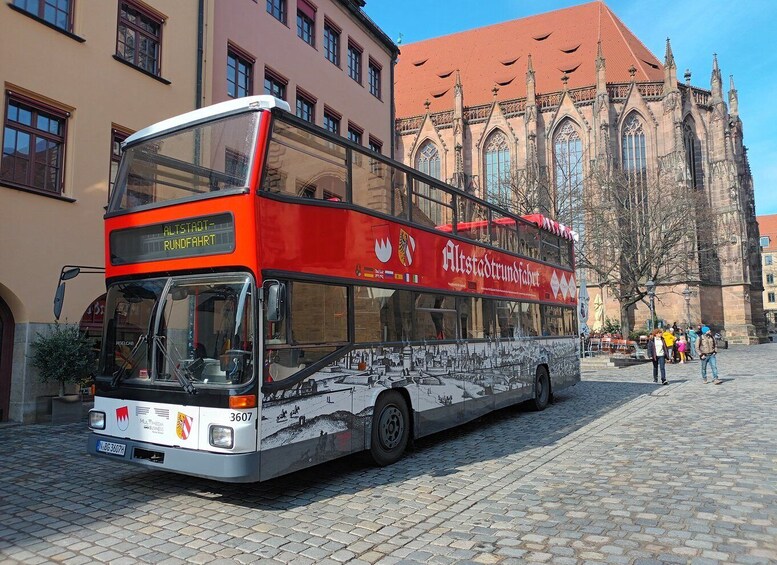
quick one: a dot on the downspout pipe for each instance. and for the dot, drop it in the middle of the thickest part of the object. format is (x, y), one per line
(200, 49)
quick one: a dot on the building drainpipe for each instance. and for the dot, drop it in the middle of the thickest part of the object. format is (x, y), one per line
(393, 111)
(200, 41)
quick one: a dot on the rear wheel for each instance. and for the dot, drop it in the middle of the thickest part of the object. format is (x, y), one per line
(541, 389)
(390, 428)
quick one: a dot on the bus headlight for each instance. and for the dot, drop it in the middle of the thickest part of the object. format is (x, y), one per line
(96, 420)
(222, 436)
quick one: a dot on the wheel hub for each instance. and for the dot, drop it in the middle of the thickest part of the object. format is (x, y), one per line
(391, 426)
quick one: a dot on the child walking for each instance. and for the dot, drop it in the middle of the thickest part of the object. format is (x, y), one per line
(682, 347)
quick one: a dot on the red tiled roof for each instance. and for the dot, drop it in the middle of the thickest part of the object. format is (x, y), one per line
(767, 225)
(560, 41)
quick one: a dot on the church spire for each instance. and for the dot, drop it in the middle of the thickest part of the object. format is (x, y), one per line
(458, 95)
(716, 82)
(530, 84)
(733, 98)
(601, 81)
(668, 56)
(670, 69)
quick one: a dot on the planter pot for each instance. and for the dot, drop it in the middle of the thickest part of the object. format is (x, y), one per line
(66, 409)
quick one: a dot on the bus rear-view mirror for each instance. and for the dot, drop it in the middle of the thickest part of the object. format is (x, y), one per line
(59, 298)
(276, 301)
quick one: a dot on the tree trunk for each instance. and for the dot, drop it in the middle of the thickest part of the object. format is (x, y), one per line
(625, 322)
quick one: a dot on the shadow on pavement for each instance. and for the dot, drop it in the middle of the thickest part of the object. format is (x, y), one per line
(46, 474)
(504, 433)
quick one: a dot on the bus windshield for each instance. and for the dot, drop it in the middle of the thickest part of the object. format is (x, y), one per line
(201, 160)
(196, 329)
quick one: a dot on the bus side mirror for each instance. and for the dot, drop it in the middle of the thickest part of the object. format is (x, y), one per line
(59, 299)
(276, 302)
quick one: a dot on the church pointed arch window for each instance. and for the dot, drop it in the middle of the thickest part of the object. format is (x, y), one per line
(634, 164)
(568, 176)
(693, 154)
(634, 159)
(497, 169)
(428, 161)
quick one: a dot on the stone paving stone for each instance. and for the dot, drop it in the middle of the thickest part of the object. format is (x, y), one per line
(616, 471)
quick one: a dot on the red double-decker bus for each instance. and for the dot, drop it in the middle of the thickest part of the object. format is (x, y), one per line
(278, 297)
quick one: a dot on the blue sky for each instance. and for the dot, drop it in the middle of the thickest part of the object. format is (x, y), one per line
(742, 33)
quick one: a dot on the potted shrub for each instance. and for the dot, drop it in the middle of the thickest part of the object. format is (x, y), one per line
(65, 356)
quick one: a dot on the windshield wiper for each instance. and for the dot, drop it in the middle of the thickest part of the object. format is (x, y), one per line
(186, 384)
(129, 362)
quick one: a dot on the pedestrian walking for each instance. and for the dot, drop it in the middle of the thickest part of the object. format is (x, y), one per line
(708, 351)
(669, 339)
(692, 338)
(658, 353)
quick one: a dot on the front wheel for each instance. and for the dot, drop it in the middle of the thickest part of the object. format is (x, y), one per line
(541, 389)
(390, 429)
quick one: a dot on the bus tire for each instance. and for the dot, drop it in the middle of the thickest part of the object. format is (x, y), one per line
(541, 389)
(390, 428)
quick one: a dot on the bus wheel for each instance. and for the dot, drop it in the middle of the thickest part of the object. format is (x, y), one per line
(541, 389)
(390, 429)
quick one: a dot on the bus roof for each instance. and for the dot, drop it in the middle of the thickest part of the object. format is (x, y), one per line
(203, 114)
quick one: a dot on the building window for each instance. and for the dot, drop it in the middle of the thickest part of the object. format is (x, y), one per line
(767, 259)
(765, 240)
(33, 145)
(139, 39)
(331, 122)
(693, 154)
(275, 84)
(58, 13)
(306, 22)
(239, 74)
(374, 79)
(355, 133)
(306, 107)
(277, 8)
(497, 169)
(376, 145)
(428, 161)
(770, 297)
(634, 158)
(568, 168)
(770, 279)
(634, 163)
(355, 62)
(117, 136)
(331, 43)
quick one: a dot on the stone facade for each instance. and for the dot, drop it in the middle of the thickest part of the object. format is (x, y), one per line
(767, 226)
(690, 129)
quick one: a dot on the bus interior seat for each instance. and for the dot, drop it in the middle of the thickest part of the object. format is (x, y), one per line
(279, 372)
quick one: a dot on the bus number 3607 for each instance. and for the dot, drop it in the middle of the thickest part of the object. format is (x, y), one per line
(240, 416)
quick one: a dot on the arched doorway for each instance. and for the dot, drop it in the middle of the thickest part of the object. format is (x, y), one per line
(6, 354)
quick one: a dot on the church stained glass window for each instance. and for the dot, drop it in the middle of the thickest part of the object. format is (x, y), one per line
(568, 169)
(428, 161)
(497, 169)
(693, 154)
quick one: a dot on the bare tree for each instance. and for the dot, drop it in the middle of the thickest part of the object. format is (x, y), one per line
(639, 228)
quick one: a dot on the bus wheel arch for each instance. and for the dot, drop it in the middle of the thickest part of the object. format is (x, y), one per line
(391, 427)
(543, 394)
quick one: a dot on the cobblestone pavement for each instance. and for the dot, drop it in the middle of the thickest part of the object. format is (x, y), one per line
(618, 470)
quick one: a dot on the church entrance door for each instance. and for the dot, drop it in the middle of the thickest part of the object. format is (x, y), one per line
(6, 353)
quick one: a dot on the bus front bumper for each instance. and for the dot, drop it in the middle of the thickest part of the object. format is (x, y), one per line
(227, 467)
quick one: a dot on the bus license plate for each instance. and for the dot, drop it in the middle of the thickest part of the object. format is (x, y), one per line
(111, 448)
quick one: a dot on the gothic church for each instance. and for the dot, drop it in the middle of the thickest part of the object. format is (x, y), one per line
(556, 95)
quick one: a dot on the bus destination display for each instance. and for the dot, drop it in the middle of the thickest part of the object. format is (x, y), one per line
(193, 237)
